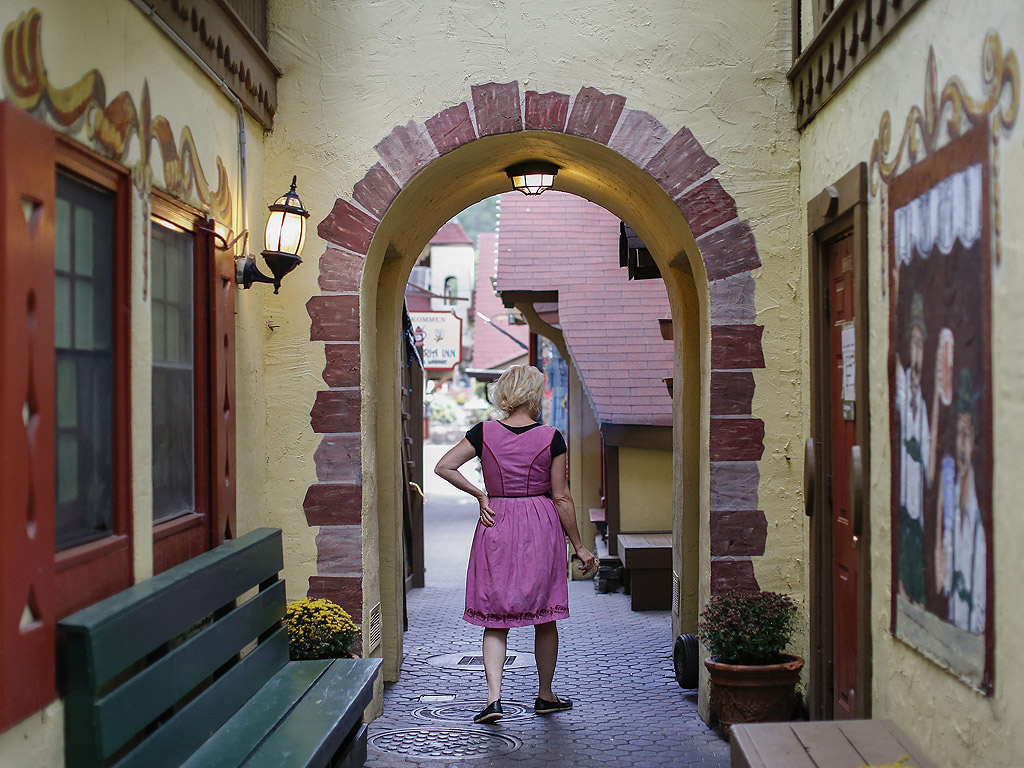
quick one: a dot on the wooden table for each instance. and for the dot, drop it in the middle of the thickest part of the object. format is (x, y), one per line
(824, 744)
(647, 558)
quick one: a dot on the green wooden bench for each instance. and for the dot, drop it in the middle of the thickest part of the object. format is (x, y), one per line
(180, 670)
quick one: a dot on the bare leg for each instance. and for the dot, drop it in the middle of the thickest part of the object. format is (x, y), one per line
(495, 643)
(546, 650)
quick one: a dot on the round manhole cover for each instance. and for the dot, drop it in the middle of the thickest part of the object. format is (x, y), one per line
(444, 743)
(473, 661)
(456, 712)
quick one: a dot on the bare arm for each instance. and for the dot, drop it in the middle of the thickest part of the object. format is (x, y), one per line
(567, 511)
(448, 468)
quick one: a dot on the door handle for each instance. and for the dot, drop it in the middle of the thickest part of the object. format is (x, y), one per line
(856, 494)
(810, 476)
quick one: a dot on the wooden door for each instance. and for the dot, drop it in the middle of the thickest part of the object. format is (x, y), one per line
(842, 441)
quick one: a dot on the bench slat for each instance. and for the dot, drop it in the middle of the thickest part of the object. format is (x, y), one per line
(188, 728)
(778, 747)
(880, 742)
(319, 724)
(131, 624)
(827, 746)
(239, 736)
(132, 706)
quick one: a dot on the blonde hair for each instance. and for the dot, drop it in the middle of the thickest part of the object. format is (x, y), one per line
(518, 387)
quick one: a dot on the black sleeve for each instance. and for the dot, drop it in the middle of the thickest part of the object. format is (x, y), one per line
(558, 445)
(476, 438)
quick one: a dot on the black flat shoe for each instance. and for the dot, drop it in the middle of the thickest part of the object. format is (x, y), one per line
(490, 713)
(544, 707)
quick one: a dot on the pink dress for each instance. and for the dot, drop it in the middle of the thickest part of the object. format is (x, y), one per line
(517, 568)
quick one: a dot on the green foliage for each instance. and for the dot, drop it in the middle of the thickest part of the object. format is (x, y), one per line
(318, 629)
(480, 217)
(747, 627)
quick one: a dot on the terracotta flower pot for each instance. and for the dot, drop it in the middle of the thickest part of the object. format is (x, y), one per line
(753, 694)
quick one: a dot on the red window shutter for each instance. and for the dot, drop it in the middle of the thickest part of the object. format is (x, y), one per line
(27, 403)
(222, 396)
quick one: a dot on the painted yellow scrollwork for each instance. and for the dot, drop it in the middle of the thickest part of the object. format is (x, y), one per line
(923, 128)
(109, 125)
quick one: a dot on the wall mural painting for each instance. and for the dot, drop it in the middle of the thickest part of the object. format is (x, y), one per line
(110, 125)
(940, 234)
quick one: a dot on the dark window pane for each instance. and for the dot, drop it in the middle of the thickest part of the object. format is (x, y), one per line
(85, 366)
(173, 375)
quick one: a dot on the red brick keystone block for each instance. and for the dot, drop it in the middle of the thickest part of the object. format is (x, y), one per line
(741, 533)
(595, 114)
(729, 251)
(546, 111)
(736, 346)
(335, 318)
(729, 575)
(406, 151)
(639, 136)
(336, 411)
(334, 504)
(376, 191)
(348, 227)
(737, 439)
(680, 163)
(497, 108)
(342, 369)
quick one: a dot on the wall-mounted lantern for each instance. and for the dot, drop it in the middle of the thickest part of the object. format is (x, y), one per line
(533, 177)
(286, 232)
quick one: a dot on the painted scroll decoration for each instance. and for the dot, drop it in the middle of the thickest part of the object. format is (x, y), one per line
(109, 125)
(940, 227)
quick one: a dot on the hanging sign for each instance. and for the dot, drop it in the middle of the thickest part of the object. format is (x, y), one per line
(441, 334)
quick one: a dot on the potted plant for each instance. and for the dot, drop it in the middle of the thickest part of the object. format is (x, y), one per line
(752, 679)
(319, 629)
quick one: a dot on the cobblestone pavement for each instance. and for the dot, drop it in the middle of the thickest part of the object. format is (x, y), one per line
(615, 664)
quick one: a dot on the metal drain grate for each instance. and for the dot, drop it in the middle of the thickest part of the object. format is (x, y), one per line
(444, 743)
(478, 661)
(462, 712)
(467, 661)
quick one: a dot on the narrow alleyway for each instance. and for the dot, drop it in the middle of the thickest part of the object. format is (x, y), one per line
(615, 664)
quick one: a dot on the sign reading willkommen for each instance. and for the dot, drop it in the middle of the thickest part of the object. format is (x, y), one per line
(440, 334)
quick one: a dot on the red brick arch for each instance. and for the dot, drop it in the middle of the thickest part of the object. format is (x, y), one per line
(683, 169)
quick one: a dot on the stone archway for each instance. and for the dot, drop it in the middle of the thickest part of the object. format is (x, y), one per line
(734, 438)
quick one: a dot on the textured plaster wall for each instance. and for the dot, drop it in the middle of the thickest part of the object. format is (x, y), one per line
(115, 38)
(354, 71)
(645, 489)
(954, 724)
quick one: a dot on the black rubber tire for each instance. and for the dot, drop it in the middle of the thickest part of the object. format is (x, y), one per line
(685, 661)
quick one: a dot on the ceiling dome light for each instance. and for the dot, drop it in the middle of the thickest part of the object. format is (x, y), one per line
(533, 177)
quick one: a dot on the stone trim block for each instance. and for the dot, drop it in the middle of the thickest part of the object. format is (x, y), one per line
(638, 136)
(376, 191)
(732, 393)
(340, 270)
(451, 128)
(342, 369)
(736, 346)
(337, 459)
(339, 549)
(348, 227)
(732, 300)
(680, 163)
(732, 575)
(734, 485)
(336, 411)
(736, 439)
(497, 108)
(546, 111)
(729, 251)
(707, 206)
(335, 318)
(739, 533)
(595, 114)
(334, 504)
(406, 151)
(346, 591)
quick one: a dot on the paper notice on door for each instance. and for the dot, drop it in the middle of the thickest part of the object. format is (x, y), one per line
(849, 341)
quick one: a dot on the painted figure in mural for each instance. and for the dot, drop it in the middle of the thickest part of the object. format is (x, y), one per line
(917, 455)
(517, 568)
(961, 550)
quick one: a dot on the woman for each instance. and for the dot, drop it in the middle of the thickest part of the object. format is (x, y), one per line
(517, 566)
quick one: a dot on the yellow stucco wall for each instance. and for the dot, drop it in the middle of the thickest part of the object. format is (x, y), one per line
(127, 49)
(645, 489)
(352, 72)
(953, 723)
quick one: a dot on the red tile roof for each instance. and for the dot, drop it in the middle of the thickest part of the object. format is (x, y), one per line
(451, 233)
(491, 348)
(562, 242)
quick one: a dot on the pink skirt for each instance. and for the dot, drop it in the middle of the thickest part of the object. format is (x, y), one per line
(517, 568)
